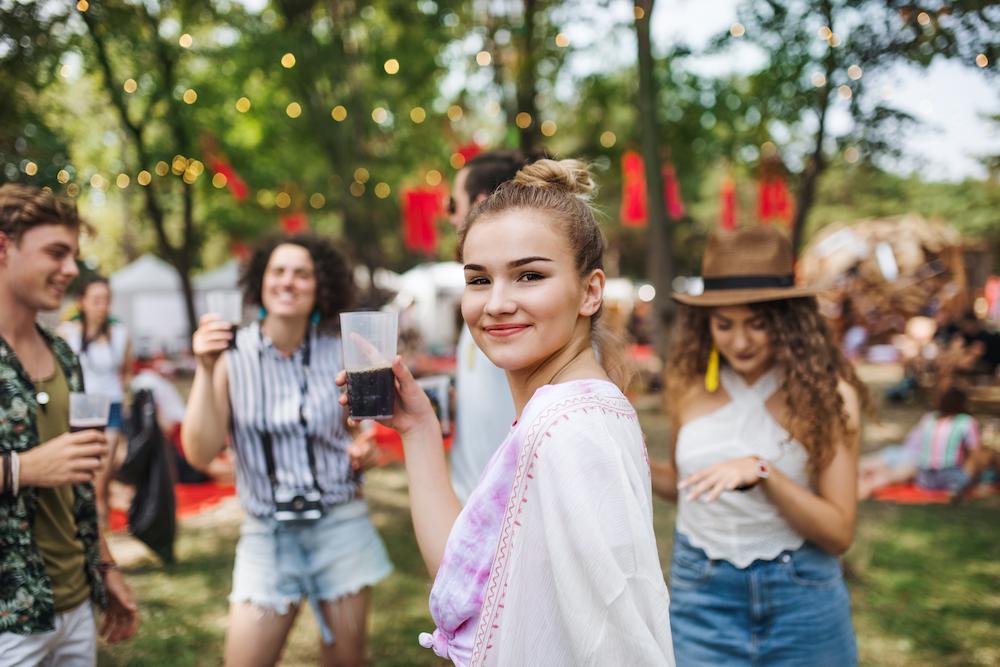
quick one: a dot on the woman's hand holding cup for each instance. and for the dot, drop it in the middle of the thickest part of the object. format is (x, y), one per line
(211, 339)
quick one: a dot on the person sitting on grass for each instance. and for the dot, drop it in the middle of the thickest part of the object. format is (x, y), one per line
(947, 446)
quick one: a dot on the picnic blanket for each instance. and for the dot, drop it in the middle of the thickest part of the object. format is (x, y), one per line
(191, 499)
(910, 494)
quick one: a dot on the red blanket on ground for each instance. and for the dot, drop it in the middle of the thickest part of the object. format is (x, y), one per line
(191, 499)
(911, 494)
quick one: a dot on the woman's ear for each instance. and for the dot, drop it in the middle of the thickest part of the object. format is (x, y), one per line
(593, 295)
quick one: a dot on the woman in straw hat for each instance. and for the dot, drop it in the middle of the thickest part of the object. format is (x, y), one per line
(765, 413)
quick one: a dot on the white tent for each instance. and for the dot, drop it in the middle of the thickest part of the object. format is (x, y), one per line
(428, 299)
(146, 296)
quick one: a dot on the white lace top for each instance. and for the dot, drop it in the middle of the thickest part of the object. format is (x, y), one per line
(739, 526)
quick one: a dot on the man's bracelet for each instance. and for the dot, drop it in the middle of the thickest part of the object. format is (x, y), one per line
(15, 473)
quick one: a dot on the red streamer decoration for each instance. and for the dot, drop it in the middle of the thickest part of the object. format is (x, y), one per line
(774, 201)
(469, 150)
(633, 210)
(295, 223)
(237, 186)
(672, 192)
(421, 208)
(727, 218)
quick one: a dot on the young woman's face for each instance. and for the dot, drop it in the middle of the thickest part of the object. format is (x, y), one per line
(96, 302)
(289, 287)
(741, 337)
(524, 299)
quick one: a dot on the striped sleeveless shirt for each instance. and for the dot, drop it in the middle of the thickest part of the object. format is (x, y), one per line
(265, 393)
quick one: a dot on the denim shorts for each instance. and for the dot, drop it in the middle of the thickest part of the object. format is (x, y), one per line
(952, 479)
(115, 419)
(278, 564)
(793, 610)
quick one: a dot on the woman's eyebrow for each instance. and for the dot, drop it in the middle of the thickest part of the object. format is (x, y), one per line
(513, 264)
(526, 260)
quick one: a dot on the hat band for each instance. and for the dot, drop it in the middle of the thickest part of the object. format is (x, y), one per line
(748, 282)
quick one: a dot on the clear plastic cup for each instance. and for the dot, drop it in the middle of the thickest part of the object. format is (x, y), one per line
(369, 340)
(228, 305)
(88, 411)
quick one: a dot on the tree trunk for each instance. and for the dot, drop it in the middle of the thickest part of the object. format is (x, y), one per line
(817, 161)
(179, 258)
(659, 253)
(530, 138)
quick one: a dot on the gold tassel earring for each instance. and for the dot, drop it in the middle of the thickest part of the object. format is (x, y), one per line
(712, 372)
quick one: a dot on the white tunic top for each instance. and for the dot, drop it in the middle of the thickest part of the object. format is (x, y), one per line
(739, 526)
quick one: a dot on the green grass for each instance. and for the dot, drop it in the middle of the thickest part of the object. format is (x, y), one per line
(925, 584)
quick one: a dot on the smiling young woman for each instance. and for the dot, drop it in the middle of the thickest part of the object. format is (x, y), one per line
(765, 413)
(306, 533)
(553, 559)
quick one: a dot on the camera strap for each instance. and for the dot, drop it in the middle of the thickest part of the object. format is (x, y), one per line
(267, 443)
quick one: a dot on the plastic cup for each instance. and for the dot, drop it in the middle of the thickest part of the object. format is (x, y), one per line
(88, 411)
(369, 340)
(228, 305)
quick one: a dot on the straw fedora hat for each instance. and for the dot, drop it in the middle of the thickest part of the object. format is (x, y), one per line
(746, 266)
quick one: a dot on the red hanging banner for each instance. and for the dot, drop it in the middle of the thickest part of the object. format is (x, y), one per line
(421, 208)
(633, 210)
(672, 192)
(295, 222)
(237, 186)
(727, 217)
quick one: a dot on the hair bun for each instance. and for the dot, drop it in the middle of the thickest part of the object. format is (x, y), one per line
(570, 176)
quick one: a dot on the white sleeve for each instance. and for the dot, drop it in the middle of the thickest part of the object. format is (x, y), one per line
(585, 586)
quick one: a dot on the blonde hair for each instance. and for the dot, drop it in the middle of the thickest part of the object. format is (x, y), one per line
(563, 189)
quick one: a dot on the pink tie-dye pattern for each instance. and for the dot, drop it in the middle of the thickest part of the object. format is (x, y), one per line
(457, 596)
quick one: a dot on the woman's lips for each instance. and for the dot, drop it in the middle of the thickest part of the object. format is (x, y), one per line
(505, 330)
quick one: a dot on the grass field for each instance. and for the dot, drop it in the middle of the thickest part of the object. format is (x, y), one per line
(925, 581)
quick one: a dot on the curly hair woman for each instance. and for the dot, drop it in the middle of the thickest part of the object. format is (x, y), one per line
(307, 533)
(765, 413)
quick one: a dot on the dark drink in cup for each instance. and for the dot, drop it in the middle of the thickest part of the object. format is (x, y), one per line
(370, 392)
(369, 343)
(88, 425)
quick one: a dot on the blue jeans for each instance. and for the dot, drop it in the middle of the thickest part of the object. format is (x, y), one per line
(952, 479)
(793, 610)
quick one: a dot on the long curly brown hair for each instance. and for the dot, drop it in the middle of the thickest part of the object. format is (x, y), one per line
(803, 349)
